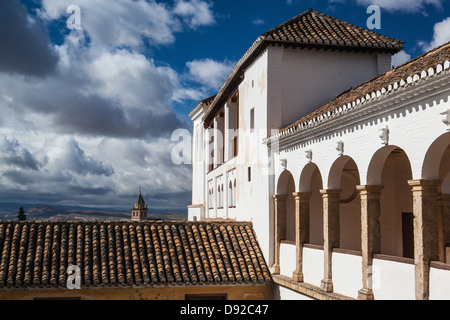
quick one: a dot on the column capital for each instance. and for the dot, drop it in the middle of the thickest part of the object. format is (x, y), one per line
(279, 197)
(329, 193)
(420, 183)
(301, 195)
(366, 189)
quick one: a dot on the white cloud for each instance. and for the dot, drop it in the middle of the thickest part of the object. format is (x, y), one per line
(258, 22)
(100, 123)
(402, 5)
(195, 13)
(400, 58)
(118, 23)
(210, 73)
(441, 35)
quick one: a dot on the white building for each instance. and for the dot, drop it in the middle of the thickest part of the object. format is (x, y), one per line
(341, 163)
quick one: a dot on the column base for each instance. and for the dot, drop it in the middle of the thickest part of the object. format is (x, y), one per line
(327, 285)
(365, 294)
(297, 276)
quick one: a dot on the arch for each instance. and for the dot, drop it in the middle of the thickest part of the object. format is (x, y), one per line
(222, 197)
(343, 164)
(396, 201)
(286, 186)
(311, 182)
(344, 176)
(230, 194)
(434, 156)
(234, 194)
(306, 177)
(375, 170)
(283, 181)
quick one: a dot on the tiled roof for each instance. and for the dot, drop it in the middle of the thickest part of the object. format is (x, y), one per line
(316, 28)
(310, 29)
(37, 254)
(203, 104)
(422, 68)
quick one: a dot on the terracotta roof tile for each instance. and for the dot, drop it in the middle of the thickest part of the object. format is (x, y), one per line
(315, 28)
(37, 254)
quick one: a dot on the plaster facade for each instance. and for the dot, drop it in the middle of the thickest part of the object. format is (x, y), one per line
(335, 196)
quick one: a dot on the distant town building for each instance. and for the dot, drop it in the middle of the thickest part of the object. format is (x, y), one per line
(139, 212)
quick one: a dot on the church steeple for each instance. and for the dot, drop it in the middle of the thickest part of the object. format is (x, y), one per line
(139, 211)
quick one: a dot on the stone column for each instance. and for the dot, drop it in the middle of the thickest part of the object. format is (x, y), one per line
(441, 229)
(445, 222)
(301, 230)
(280, 228)
(331, 233)
(370, 235)
(426, 232)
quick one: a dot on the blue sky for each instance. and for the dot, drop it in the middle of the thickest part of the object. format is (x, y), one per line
(86, 115)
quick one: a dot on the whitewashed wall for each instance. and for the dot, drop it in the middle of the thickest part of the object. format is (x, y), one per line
(312, 78)
(313, 264)
(439, 284)
(347, 274)
(287, 259)
(393, 280)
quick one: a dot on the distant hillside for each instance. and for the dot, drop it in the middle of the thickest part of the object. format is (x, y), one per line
(52, 213)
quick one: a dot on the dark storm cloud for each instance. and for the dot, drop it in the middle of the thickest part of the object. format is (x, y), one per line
(24, 47)
(86, 191)
(76, 160)
(12, 154)
(97, 117)
(19, 177)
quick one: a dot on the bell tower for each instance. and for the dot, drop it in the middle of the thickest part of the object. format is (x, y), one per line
(139, 211)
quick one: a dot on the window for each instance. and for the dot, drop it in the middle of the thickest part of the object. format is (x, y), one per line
(230, 195)
(249, 172)
(234, 194)
(221, 197)
(252, 119)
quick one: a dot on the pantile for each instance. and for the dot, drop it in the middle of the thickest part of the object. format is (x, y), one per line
(37, 254)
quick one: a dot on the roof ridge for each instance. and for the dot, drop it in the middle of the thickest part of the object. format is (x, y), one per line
(288, 21)
(313, 13)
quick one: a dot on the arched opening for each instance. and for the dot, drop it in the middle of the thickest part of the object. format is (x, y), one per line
(391, 168)
(311, 181)
(230, 195)
(344, 175)
(234, 194)
(286, 187)
(444, 207)
(437, 167)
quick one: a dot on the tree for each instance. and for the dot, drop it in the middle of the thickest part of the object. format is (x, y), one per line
(21, 216)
